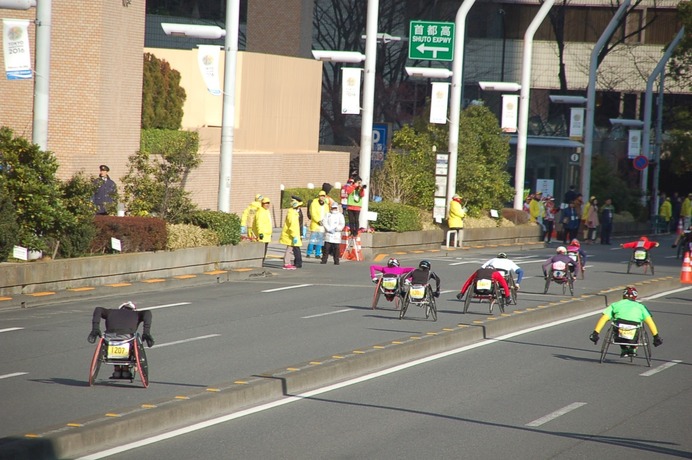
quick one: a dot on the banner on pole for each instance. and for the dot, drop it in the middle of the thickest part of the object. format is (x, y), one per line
(510, 109)
(350, 90)
(634, 146)
(439, 103)
(15, 44)
(208, 60)
(576, 123)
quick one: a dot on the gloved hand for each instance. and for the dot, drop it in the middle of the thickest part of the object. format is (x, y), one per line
(93, 334)
(594, 337)
(261, 236)
(657, 340)
(295, 241)
(243, 230)
(436, 294)
(305, 231)
(374, 280)
(517, 287)
(148, 339)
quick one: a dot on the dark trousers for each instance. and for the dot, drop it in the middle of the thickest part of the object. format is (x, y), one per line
(548, 229)
(570, 234)
(606, 230)
(330, 249)
(298, 262)
(353, 218)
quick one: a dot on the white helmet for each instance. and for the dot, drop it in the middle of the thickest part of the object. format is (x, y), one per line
(561, 250)
(129, 305)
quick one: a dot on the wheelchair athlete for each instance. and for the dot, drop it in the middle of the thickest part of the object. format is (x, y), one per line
(392, 268)
(560, 256)
(502, 263)
(422, 275)
(123, 320)
(487, 273)
(627, 311)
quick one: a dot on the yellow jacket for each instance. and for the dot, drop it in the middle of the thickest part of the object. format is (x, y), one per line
(535, 210)
(262, 225)
(686, 208)
(666, 210)
(456, 215)
(317, 213)
(248, 216)
(291, 229)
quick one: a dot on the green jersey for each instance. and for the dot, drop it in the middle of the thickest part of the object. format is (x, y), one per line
(628, 310)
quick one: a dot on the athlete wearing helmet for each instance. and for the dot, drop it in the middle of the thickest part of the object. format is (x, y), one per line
(423, 274)
(560, 256)
(392, 268)
(627, 311)
(487, 272)
(577, 254)
(122, 320)
(393, 262)
(641, 243)
(502, 263)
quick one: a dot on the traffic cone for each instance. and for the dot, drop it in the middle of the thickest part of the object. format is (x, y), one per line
(344, 242)
(357, 251)
(680, 229)
(686, 272)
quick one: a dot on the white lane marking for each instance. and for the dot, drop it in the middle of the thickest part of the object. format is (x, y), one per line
(16, 374)
(10, 329)
(328, 313)
(478, 262)
(532, 262)
(288, 287)
(319, 391)
(660, 368)
(556, 414)
(663, 294)
(186, 340)
(165, 306)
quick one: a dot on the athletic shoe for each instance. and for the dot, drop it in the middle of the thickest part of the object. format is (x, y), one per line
(117, 374)
(460, 296)
(318, 256)
(289, 267)
(127, 375)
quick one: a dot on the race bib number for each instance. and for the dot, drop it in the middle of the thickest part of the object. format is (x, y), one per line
(559, 266)
(627, 334)
(119, 349)
(484, 285)
(417, 291)
(639, 255)
(389, 283)
(572, 255)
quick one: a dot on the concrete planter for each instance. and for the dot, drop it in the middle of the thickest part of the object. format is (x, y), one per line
(25, 278)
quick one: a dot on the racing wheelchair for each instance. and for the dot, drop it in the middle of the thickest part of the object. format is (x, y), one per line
(640, 258)
(388, 285)
(422, 296)
(561, 275)
(485, 289)
(578, 263)
(513, 289)
(124, 350)
(627, 334)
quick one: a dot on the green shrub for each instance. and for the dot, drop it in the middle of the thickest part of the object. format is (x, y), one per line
(136, 234)
(190, 236)
(395, 217)
(8, 223)
(77, 235)
(226, 226)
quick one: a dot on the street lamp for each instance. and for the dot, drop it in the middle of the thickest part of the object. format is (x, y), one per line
(627, 122)
(569, 100)
(346, 57)
(499, 86)
(428, 72)
(230, 63)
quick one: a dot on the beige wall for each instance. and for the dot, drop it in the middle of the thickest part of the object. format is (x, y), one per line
(95, 85)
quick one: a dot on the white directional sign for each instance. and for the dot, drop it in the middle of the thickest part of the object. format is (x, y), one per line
(431, 41)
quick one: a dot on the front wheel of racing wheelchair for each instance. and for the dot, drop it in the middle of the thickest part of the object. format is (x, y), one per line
(628, 335)
(422, 296)
(124, 350)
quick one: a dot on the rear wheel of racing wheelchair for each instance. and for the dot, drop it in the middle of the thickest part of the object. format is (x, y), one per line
(376, 295)
(404, 306)
(467, 299)
(141, 362)
(547, 283)
(643, 344)
(512, 290)
(431, 306)
(497, 298)
(99, 353)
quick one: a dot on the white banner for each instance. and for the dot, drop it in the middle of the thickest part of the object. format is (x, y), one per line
(576, 123)
(634, 146)
(439, 103)
(15, 43)
(350, 90)
(510, 109)
(208, 60)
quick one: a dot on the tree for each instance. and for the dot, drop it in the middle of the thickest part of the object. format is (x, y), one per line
(162, 95)
(408, 175)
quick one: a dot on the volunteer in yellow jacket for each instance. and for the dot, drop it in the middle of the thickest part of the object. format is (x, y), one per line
(247, 218)
(290, 236)
(262, 225)
(455, 220)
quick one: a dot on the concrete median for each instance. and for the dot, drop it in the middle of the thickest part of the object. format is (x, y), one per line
(81, 437)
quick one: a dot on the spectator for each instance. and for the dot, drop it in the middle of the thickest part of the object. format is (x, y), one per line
(535, 208)
(106, 191)
(291, 237)
(607, 215)
(570, 222)
(570, 196)
(247, 218)
(584, 217)
(262, 225)
(592, 221)
(686, 211)
(677, 208)
(317, 210)
(455, 220)
(333, 224)
(344, 195)
(666, 212)
(355, 192)
(549, 219)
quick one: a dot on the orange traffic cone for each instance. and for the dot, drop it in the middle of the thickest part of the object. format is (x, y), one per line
(686, 272)
(344, 242)
(357, 250)
(680, 229)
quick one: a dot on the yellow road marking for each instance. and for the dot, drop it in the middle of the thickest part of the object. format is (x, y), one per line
(215, 272)
(379, 257)
(213, 389)
(155, 280)
(111, 414)
(396, 342)
(148, 406)
(240, 382)
(42, 294)
(292, 369)
(337, 357)
(119, 285)
(315, 363)
(32, 435)
(5, 298)
(182, 397)
(184, 277)
(358, 352)
(241, 269)
(75, 424)
(81, 289)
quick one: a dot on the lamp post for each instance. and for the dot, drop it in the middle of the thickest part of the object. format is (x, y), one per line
(229, 79)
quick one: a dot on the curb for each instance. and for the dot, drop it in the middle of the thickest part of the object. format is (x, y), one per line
(135, 423)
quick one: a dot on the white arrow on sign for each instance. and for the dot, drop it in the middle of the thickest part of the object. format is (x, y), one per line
(435, 49)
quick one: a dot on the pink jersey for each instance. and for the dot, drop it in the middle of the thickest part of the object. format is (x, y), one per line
(385, 270)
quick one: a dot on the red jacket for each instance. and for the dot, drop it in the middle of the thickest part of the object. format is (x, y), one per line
(496, 277)
(645, 243)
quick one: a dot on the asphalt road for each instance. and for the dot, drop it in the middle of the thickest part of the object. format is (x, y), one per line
(212, 333)
(534, 395)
